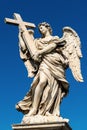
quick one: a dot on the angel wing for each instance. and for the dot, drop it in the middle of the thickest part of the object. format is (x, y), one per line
(72, 51)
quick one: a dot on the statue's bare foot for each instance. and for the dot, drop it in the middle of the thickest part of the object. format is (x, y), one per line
(56, 113)
(32, 112)
(48, 113)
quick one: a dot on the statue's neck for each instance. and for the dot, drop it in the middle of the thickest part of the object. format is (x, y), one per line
(47, 34)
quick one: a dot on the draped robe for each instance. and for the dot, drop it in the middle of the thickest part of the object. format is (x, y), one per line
(53, 66)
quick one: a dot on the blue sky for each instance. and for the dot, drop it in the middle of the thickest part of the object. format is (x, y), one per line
(13, 75)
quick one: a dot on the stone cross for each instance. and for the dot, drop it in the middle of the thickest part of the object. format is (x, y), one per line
(26, 35)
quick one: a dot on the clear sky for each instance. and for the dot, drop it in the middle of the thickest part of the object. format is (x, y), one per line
(13, 75)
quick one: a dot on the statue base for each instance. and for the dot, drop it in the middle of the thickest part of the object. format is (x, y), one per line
(42, 126)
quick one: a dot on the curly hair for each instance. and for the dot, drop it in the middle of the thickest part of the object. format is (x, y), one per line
(46, 25)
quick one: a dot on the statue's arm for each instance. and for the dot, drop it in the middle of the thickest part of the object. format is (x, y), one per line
(52, 46)
(37, 56)
(48, 49)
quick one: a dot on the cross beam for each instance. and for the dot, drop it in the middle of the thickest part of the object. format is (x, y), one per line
(16, 21)
(25, 35)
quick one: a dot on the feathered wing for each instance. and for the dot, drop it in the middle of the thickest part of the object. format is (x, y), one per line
(72, 51)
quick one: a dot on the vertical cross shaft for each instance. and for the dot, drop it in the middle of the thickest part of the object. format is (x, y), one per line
(26, 36)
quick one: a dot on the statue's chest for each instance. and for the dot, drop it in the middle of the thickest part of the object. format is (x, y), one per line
(41, 44)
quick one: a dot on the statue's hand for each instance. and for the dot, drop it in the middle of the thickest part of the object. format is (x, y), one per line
(37, 57)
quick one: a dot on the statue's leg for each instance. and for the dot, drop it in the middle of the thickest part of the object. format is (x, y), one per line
(38, 93)
(56, 110)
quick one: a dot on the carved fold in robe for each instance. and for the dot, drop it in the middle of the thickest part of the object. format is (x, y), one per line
(53, 66)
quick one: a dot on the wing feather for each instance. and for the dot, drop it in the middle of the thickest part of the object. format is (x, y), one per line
(72, 51)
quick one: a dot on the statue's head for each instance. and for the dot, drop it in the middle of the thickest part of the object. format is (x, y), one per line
(46, 25)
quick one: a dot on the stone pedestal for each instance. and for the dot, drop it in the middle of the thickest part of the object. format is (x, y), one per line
(42, 126)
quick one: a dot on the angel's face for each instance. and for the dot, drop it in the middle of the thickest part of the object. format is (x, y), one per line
(43, 29)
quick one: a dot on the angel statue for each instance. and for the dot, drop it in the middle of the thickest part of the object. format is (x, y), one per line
(52, 56)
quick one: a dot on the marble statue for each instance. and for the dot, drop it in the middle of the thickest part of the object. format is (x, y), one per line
(46, 59)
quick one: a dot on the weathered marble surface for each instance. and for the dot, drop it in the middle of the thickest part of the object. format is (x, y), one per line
(46, 60)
